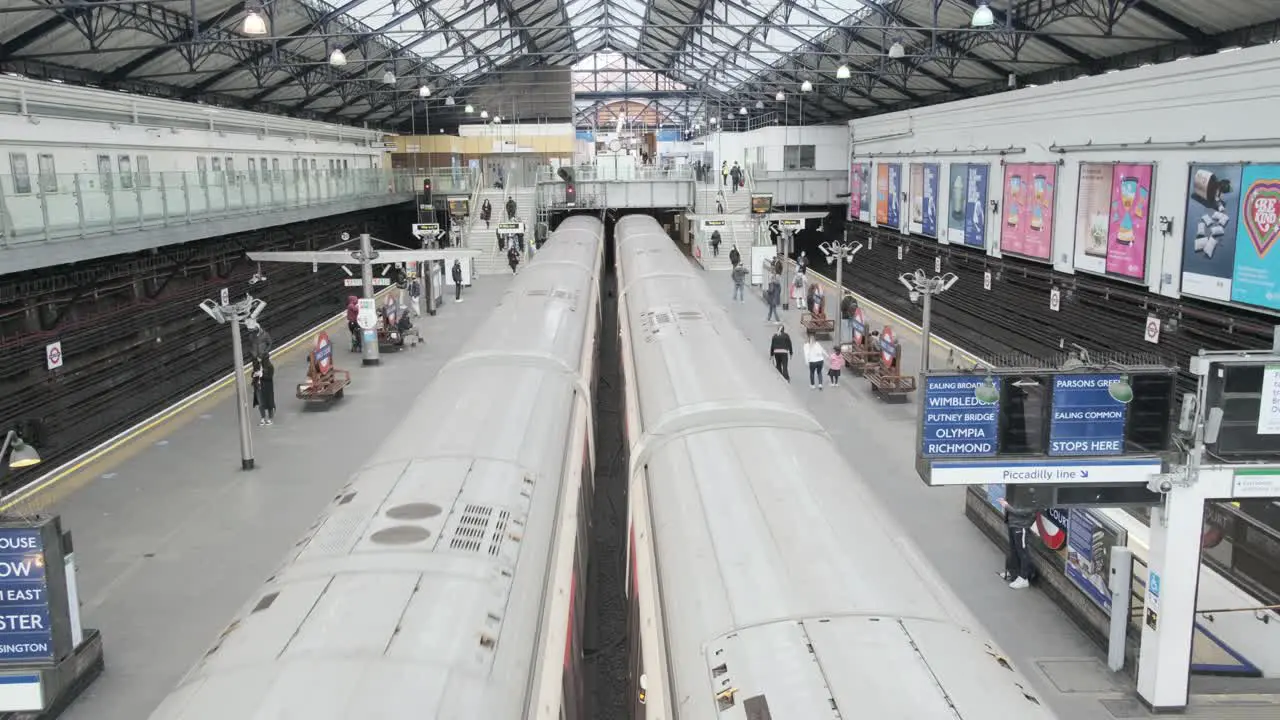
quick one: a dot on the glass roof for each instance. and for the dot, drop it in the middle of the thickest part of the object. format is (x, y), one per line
(738, 39)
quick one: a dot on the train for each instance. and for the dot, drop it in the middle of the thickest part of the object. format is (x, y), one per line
(447, 578)
(69, 150)
(764, 577)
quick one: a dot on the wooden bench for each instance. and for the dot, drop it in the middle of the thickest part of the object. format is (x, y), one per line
(817, 326)
(886, 376)
(861, 359)
(324, 388)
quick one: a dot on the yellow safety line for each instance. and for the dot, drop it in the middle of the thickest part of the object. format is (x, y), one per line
(38, 486)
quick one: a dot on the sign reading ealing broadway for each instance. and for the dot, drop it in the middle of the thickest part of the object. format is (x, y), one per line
(1087, 418)
(961, 416)
(25, 632)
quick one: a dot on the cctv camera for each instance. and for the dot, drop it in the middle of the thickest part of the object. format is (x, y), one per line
(915, 296)
(1160, 485)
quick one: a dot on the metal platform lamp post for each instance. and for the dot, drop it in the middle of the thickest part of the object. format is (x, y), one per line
(921, 286)
(247, 310)
(841, 251)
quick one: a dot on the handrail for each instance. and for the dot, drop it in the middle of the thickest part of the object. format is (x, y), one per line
(474, 204)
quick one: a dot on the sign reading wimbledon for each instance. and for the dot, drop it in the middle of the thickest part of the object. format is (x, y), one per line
(25, 631)
(957, 422)
(1086, 419)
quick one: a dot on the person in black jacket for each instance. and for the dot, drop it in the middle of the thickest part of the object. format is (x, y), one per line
(1018, 569)
(715, 243)
(456, 273)
(735, 257)
(780, 349)
(511, 208)
(486, 212)
(513, 258)
(264, 389)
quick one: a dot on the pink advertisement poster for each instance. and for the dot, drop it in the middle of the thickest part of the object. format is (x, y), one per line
(1127, 233)
(1027, 229)
(855, 191)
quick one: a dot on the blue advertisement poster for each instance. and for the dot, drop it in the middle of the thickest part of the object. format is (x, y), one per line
(1256, 280)
(1089, 542)
(1209, 235)
(1086, 419)
(895, 195)
(929, 223)
(957, 423)
(25, 631)
(975, 206)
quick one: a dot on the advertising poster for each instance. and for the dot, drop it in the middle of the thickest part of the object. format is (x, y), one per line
(915, 219)
(855, 191)
(1093, 212)
(929, 203)
(1130, 211)
(957, 197)
(1209, 232)
(1027, 229)
(975, 206)
(1257, 269)
(865, 204)
(1089, 541)
(895, 196)
(882, 194)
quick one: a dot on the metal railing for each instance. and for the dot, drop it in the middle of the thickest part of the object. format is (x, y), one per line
(36, 208)
(591, 173)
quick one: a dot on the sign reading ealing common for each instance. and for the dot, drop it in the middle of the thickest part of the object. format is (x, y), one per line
(1048, 427)
(26, 633)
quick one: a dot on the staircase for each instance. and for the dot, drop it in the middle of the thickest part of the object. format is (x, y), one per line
(478, 237)
(739, 230)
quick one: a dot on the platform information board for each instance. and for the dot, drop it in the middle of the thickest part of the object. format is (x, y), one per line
(957, 422)
(1087, 420)
(26, 633)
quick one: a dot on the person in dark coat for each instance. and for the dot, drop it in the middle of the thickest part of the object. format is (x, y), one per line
(715, 243)
(264, 389)
(1018, 570)
(456, 274)
(513, 258)
(735, 257)
(486, 212)
(780, 350)
(511, 208)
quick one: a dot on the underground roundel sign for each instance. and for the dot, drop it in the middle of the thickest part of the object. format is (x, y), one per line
(859, 326)
(323, 353)
(888, 346)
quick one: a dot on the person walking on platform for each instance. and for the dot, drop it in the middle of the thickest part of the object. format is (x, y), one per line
(513, 259)
(835, 363)
(735, 257)
(815, 356)
(511, 209)
(802, 263)
(715, 243)
(264, 390)
(724, 173)
(739, 283)
(415, 296)
(781, 350)
(773, 297)
(735, 174)
(353, 325)
(1018, 569)
(456, 274)
(486, 212)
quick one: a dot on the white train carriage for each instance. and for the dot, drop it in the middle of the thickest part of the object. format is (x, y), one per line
(446, 579)
(765, 578)
(75, 157)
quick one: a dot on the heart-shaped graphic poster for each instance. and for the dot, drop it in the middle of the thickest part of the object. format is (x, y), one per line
(1261, 219)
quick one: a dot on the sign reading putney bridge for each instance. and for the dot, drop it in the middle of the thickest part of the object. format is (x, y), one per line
(1089, 426)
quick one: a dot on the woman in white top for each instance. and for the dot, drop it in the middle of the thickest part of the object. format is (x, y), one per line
(815, 356)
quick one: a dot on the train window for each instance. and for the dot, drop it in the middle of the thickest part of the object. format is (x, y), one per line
(202, 169)
(104, 171)
(262, 166)
(231, 171)
(313, 165)
(253, 170)
(215, 165)
(48, 173)
(344, 166)
(295, 169)
(126, 172)
(20, 173)
(144, 171)
(330, 166)
(275, 169)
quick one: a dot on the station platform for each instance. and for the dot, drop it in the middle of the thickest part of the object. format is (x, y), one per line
(1069, 671)
(172, 538)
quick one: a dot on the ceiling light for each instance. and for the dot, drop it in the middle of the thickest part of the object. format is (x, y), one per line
(448, 101)
(468, 108)
(742, 110)
(254, 24)
(715, 120)
(337, 58)
(780, 96)
(759, 104)
(484, 114)
(842, 72)
(388, 78)
(983, 17)
(423, 90)
(806, 86)
(896, 50)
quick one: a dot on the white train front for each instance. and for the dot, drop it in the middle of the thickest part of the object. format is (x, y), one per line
(767, 581)
(446, 580)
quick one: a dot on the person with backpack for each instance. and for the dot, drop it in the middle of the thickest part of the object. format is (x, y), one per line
(715, 243)
(456, 274)
(739, 282)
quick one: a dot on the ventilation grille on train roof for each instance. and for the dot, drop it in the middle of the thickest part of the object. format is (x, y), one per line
(481, 529)
(668, 320)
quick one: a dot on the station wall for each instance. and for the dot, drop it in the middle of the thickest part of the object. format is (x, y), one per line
(764, 146)
(1144, 151)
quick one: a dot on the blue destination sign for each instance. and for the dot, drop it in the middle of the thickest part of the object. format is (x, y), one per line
(1086, 419)
(25, 631)
(956, 422)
